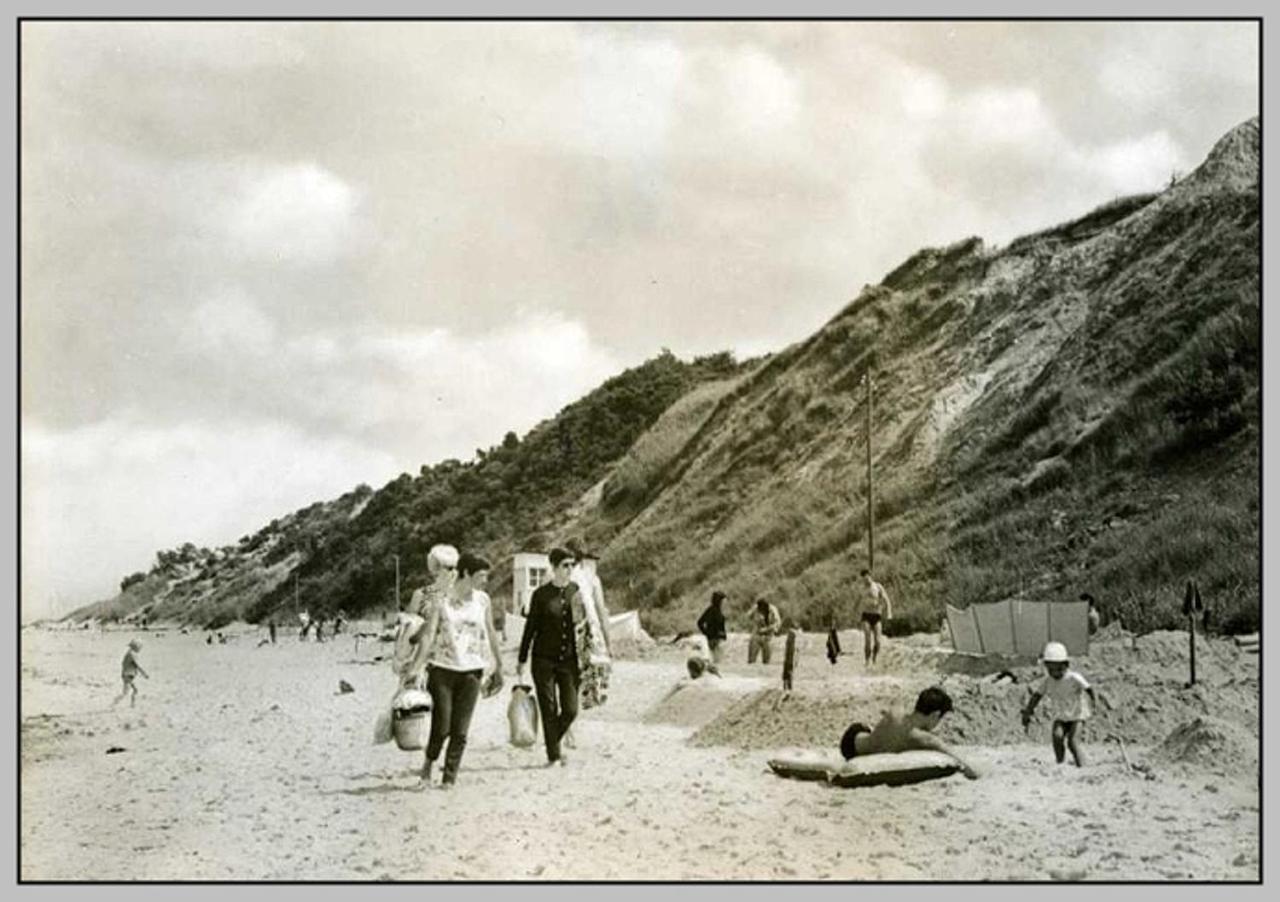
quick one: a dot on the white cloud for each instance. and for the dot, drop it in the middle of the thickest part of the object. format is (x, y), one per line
(1002, 117)
(455, 391)
(924, 93)
(299, 213)
(99, 500)
(608, 94)
(229, 322)
(1141, 164)
(759, 94)
(380, 401)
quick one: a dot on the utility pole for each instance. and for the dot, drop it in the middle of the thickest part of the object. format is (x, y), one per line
(295, 591)
(397, 559)
(871, 524)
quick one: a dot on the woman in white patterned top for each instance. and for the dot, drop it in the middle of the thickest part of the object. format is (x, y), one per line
(461, 645)
(410, 658)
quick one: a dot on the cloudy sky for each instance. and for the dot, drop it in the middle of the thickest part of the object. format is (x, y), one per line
(264, 262)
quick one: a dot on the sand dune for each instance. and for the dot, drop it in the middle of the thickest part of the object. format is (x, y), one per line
(244, 762)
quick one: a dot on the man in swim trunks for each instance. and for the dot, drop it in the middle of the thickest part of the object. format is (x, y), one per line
(876, 608)
(902, 732)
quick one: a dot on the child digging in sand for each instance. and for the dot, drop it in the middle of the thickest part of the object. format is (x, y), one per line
(1070, 697)
(129, 669)
(900, 731)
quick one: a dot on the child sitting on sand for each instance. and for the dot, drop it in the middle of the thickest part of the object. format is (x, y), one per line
(129, 669)
(1070, 701)
(905, 731)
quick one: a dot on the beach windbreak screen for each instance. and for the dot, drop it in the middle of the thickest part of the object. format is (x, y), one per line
(567, 450)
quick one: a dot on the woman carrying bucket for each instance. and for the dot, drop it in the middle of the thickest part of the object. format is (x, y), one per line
(461, 645)
(410, 659)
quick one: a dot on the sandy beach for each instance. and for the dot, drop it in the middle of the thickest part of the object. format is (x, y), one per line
(244, 762)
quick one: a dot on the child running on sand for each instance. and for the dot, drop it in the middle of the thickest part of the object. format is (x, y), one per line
(129, 669)
(1070, 697)
(900, 731)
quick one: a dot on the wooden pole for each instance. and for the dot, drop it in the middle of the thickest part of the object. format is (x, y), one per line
(1191, 630)
(1189, 609)
(871, 523)
(397, 559)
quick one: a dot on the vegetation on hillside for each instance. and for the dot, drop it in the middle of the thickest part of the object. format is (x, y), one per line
(1078, 411)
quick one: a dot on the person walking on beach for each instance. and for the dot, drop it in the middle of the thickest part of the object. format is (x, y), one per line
(1071, 701)
(1094, 615)
(129, 669)
(595, 653)
(550, 638)
(765, 623)
(903, 731)
(306, 625)
(711, 625)
(410, 657)
(271, 629)
(876, 608)
(461, 645)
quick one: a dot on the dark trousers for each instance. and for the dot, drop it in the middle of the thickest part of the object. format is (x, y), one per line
(453, 699)
(550, 679)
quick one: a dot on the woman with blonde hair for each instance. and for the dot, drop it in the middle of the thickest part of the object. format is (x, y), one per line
(410, 660)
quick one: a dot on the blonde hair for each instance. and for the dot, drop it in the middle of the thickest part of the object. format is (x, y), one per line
(441, 556)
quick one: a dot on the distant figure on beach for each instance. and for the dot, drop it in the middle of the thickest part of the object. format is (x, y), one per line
(208, 640)
(876, 608)
(555, 610)
(1094, 615)
(129, 669)
(271, 629)
(1071, 701)
(319, 627)
(338, 620)
(410, 657)
(305, 619)
(461, 645)
(500, 621)
(902, 731)
(595, 653)
(711, 625)
(790, 654)
(765, 623)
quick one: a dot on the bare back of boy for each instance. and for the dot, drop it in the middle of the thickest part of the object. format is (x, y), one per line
(893, 733)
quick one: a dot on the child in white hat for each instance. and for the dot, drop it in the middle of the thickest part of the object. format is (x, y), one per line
(1070, 697)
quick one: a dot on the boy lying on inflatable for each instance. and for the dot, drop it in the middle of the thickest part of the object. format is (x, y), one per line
(900, 731)
(900, 750)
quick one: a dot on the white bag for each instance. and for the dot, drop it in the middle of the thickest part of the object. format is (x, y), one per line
(522, 716)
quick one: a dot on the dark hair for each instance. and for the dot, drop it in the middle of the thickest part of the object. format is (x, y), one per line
(717, 596)
(865, 572)
(559, 556)
(1085, 596)
(471, 563)
(762, 603)
(933, 699)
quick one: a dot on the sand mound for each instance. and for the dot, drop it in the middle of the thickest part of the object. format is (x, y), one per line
(1210, 743)
(692, 703)
(1143, 688)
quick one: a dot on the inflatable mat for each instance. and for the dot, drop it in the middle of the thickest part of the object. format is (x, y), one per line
(897, 769)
